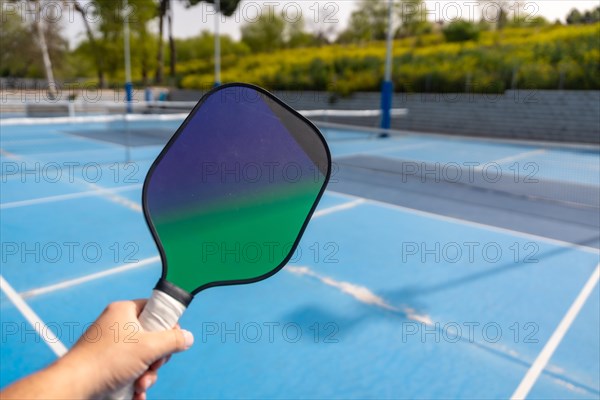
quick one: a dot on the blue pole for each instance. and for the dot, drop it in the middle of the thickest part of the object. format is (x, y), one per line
(387, 88)
(129, 96)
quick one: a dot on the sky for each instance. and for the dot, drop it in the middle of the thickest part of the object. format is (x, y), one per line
(319, 14)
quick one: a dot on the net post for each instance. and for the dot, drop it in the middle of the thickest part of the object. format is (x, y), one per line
(387, 89)
(129, 96)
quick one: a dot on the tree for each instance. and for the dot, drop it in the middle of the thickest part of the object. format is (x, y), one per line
(593, 16)
(17, 58)
(96, 50)
(322, 26)
(226, 7)
(574, 17)
(165, 9)
(162, 10)
(172, 49)
(109, 35)
(500, 18)
(20, 56)
(413, 18)
(144, 11)
(39, 26)
(461, 31)
(201, 48)
(296, 36)
(266, 34)
(368, 23)
(272, 31)
(528, 22)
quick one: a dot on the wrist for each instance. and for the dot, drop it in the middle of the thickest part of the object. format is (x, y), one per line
(78, 374)
(62, 379)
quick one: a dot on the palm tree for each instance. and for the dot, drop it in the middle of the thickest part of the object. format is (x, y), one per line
(172, 51)
(41, 37)
(162, 10)
(93, 44)
(165, 8)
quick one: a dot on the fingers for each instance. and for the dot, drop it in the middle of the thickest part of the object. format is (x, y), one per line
(126, 308)
(139, 305)
(170, 341)
(145, 381)
(160, 363)
(148, 379)
(139, 396)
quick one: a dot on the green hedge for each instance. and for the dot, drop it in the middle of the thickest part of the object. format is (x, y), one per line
(534, 57)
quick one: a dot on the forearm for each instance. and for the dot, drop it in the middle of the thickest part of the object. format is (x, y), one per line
(63, 379)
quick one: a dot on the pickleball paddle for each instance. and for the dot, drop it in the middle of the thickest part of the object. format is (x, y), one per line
(229, 197)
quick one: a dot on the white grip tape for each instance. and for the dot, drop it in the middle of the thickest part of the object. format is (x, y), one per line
(160, 313)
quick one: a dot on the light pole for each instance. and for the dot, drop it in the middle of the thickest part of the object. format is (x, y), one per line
(387, 88)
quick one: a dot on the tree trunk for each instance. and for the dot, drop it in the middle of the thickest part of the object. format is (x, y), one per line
(93, 44)
(172, 50)
(160, 57)
(39, 26)
(143, 38)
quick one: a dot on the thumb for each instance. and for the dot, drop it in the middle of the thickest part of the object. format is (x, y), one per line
(170, 341)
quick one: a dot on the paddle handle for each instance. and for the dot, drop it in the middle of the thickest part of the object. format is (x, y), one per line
(160, 313)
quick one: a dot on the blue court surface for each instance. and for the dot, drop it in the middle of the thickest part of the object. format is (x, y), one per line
(383, 299)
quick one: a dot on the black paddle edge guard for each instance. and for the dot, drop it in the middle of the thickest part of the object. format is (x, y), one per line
(174, 291)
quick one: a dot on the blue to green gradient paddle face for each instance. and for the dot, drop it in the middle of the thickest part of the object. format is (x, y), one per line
(230, 195)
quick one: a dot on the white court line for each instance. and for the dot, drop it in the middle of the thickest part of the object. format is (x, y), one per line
(42, 329)
(353, 113)
(460, 221)
(147, 261)
(32, 141)
(360, 293)
(9, 176)
(104, 151)
(91, 277)
(61, 197)
(340, 207)
(404, 147)
(36, 142)
(115, 198)
(542, 359)
(519, 156)
(92, 119)
(387, 150)
(107, 193)
(8, 154)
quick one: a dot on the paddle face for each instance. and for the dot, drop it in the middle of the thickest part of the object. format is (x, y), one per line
(231, 193)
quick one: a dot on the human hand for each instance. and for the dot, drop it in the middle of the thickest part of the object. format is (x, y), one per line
(123, 352)
(114, 352)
